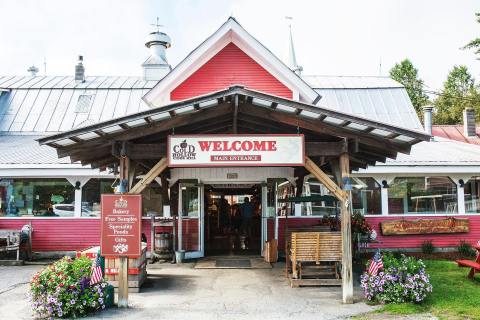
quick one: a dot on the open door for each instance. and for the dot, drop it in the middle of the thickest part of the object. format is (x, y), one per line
(264, 215)
(191, 220)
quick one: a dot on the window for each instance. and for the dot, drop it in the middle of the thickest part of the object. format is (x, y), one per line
(36, 197)
(366, 196)
(425, 195)
(91, 194)
(472, 195)
(315, 188)
(83, 103)
(152, 200)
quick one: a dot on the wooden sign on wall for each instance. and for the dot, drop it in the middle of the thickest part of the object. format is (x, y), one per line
(424, 226)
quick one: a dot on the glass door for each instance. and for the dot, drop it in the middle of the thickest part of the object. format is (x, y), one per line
(191, 224)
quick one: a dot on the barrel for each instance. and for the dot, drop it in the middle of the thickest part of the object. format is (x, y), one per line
(163, 242)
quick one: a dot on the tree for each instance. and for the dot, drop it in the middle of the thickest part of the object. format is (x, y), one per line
(405, 73)
(458, 93)
(475, 43)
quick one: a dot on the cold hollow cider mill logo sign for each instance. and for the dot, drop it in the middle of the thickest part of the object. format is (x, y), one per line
(121, 225)
(183, 151)
(236, 150)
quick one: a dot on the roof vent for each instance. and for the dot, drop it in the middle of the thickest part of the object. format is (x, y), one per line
(156, 66)
(80, 70)
(33, 70)
(83, 103)
(469, 127)
(427, 119)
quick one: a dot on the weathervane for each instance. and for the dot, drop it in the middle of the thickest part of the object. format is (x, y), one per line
(290, 22)
(158, 25)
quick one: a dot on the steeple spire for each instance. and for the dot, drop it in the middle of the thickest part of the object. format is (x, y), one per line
(292, 59)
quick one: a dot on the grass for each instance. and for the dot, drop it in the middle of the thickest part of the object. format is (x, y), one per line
(453, 297)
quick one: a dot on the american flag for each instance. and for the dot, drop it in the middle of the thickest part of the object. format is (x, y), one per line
(375, 264)
(96, 275)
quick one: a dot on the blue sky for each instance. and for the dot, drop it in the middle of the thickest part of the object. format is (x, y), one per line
(331, 37)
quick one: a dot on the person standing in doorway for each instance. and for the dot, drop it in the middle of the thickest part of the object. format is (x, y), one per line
(246, 212)
(224, 211)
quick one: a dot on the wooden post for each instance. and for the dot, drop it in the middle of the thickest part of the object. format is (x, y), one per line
(347, 278)
(345, 203)
(123, 283)
(123, 268)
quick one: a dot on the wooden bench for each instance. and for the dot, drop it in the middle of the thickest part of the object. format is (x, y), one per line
(473, 265)
(318, 251)
(11, 240)
(288, 241)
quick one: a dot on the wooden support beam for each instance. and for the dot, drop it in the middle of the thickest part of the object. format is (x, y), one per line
(150, 176)
(346, 229)
(100, 163)
(325, 179)
(317, 149)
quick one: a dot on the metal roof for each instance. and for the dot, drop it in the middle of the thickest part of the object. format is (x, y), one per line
(24, 149)
(455, 132)
(65, 82)
(376, 98)
(49, 104)
(350, 82)
(352, 125)
(439, 152)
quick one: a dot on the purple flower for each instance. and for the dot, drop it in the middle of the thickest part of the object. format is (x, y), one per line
(72, 301)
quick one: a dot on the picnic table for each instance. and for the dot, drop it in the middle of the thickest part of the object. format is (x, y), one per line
(473, 265)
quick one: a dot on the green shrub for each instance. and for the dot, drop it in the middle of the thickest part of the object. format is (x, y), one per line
(427, 247)
(63, 290)
(466, 249)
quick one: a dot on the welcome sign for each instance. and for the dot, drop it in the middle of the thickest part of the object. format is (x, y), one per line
(236, 150)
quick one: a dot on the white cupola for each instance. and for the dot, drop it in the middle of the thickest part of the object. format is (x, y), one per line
(156, 66)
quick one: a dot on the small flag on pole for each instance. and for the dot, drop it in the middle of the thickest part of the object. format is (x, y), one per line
(375, 264)
(96, 275)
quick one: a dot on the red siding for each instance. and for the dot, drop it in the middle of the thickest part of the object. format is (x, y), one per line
(228, 67)
(51, 234)
(415, 241)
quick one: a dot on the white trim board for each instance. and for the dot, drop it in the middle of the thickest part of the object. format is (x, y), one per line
(230, 31)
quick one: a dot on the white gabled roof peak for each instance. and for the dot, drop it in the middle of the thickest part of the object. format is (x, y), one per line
(230, 32)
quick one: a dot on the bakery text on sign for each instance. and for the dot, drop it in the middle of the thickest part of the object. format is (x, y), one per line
(121, 225)
(241, 150)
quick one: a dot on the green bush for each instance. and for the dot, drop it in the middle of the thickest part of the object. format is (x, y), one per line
(63, 290)
(427, 247)
(466, 249)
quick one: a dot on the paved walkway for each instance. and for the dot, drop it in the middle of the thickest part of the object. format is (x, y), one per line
(181, 292)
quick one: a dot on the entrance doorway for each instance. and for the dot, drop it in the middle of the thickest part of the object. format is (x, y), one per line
(233, 219)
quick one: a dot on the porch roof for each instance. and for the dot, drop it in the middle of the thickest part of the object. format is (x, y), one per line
(237, 110)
